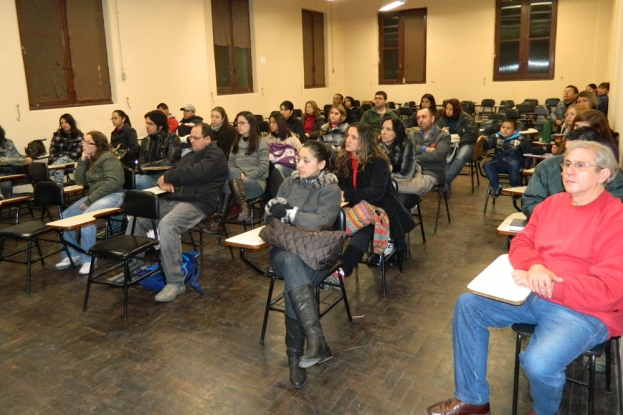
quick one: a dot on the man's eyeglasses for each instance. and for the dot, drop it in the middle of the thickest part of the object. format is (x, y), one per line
(192, 137)
(576, 165)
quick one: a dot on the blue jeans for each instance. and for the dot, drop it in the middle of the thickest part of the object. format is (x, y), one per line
(494, 167)
(462, 156)
(145, 181)
(295, 273)
(87, 233)
(176, 217)
(252, 188)
(59, 175)
(561, 335)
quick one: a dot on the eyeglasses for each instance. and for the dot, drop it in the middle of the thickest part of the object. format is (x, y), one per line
(577, 165)
(192, 137)
(90, 143)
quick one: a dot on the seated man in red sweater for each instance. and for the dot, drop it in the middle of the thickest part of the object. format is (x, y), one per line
(569, 255)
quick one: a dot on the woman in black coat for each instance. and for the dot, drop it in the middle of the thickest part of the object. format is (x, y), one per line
(123, 139)
(363, 174)
(296, 126)
(224, 133)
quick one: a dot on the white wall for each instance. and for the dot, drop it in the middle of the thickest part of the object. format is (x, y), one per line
(167, 56)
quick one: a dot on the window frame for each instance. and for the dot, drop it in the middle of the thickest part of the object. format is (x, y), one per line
(524, 40)
(400, 80)
(233, 88)
(307, 66)
(68, 67)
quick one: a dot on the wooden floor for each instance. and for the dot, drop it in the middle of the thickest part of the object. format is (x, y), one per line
(201, 354)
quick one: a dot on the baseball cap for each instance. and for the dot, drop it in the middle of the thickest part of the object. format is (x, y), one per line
(188, 107)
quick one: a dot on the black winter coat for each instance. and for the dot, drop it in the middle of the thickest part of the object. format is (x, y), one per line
(375, 187)
(125, 142)
(401, 157)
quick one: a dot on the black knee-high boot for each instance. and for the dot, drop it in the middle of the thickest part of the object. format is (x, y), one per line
(306, 310)
(237, 188)
(218, 224)
(295, 342)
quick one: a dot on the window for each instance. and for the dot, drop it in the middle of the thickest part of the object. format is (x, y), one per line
(525, 40)
(64, 52)
(313, 49)
(232, 46)
(402, 47)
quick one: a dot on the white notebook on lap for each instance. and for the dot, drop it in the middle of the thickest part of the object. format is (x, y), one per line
(496, 282)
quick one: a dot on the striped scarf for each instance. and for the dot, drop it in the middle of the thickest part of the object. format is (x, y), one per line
(364, 214)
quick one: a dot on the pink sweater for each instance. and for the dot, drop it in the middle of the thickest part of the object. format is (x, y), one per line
(584, 246)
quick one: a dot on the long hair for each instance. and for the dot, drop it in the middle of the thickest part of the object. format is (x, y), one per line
(126, 117)
(314, 107)
(368, 148)
(326, 127)
(597, 120)
(221, 111)
(283, 131)
(2, 136)
(101, 142)
(69, 119)
(456, 108)
(431, 98)
(399, 129)
(593, 101)
(253, 133)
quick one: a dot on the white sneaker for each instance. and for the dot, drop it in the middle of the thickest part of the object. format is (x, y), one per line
(64, 264)
(390, 249)
(169, 292)
(86, 267)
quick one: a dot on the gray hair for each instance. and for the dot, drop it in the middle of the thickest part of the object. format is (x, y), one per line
(604, 158)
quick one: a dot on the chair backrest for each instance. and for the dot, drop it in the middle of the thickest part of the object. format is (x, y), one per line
(525, 107)
(487, 102)
(141, 204)
(391, 104)
(532, 100)
(506, 104)
(552, 102)
(49, 193)
(129, 179)
(520, 126)
(263, 126)
(365, 107)
(259, 118)
(512, 114)
(38, 172)
(541, 110)
(340, 221)
(498, 116)
(327, 108)
(297, 113)
(468, 107)
(357, 103)
(490, 126)
(405, 112)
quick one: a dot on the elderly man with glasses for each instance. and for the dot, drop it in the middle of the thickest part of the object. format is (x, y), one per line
(192, 187)
(569, 255)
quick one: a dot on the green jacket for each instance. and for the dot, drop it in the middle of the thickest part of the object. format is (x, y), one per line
(374, 119)
(546, 181)
(104, 178)
(466, 128)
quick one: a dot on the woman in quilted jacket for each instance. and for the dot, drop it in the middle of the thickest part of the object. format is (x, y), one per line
(309, 198)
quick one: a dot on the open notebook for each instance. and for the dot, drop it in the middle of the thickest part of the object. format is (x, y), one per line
(496, 282)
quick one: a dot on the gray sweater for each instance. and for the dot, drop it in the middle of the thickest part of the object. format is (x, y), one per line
(254, 166)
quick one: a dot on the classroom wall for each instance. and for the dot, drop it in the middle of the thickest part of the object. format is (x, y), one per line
(461, 50)
(167, 55)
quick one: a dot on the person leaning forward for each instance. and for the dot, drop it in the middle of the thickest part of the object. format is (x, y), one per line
(193, 187)
(569, 255)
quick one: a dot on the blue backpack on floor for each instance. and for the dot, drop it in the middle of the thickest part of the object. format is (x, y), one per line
(190, 269)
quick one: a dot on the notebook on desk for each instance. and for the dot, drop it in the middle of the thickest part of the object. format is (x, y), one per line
(517, 224)
(496, 282)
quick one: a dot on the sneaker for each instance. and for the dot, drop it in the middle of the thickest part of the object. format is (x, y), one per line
(86, 267)
(64, 264)
(391, 248)
(169, 292)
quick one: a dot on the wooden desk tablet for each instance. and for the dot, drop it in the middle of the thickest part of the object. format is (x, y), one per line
(60, 166)
(81, 220)
(16, 199)
(496, 282)
(514, 191)
(73, 189)
(12, 177)
(156, 168)
(155, 190)
(249, 240)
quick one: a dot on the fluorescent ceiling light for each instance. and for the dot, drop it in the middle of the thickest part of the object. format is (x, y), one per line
(391, 6)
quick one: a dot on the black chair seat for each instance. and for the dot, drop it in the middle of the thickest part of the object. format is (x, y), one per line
(25, 230)
(123, 246)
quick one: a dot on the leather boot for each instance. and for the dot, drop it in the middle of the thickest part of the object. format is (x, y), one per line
(295, 341)
(304, 303)
(237, 188)
(217, 225)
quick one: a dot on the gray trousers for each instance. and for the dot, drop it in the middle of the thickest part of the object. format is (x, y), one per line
(295, 273)
(175, 218)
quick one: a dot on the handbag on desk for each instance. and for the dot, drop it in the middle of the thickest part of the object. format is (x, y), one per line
(413, 185)
(318, 248)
